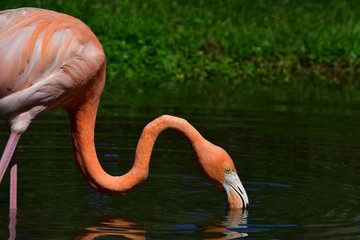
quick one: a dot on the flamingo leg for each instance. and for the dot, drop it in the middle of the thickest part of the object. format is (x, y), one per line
(8, 156)
(8, 153)
(12, 224)
(13, 181)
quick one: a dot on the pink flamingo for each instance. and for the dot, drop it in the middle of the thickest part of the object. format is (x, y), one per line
(51, 60)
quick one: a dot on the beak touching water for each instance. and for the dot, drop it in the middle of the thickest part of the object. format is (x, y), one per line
(235, 191)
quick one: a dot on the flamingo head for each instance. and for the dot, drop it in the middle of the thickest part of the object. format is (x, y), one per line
(218, 167)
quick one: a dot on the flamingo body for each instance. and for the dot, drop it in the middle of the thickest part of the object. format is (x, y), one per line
(51, 60)
(45, 58)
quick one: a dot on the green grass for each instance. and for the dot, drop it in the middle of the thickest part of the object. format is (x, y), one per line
(216, 47)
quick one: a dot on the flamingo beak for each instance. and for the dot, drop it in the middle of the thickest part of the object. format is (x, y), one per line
(235, 191)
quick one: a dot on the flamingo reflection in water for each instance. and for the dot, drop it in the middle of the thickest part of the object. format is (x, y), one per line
(113, 226)
(230, 228)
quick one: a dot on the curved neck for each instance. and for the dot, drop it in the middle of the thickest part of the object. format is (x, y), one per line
(83, 123)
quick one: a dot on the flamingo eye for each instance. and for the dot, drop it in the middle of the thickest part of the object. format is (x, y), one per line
(227, 169)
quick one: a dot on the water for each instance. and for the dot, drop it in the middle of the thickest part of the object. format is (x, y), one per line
(298, 160)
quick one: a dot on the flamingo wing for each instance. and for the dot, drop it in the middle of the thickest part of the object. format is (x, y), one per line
(43, 55)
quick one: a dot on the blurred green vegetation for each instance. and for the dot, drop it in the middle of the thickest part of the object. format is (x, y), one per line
(218, 47)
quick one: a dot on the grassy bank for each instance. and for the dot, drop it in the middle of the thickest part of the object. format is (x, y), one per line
(215, 47)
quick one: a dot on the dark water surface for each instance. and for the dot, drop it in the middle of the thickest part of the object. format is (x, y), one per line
(299, 162)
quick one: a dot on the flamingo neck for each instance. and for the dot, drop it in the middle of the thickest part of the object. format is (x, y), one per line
(83, 123)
